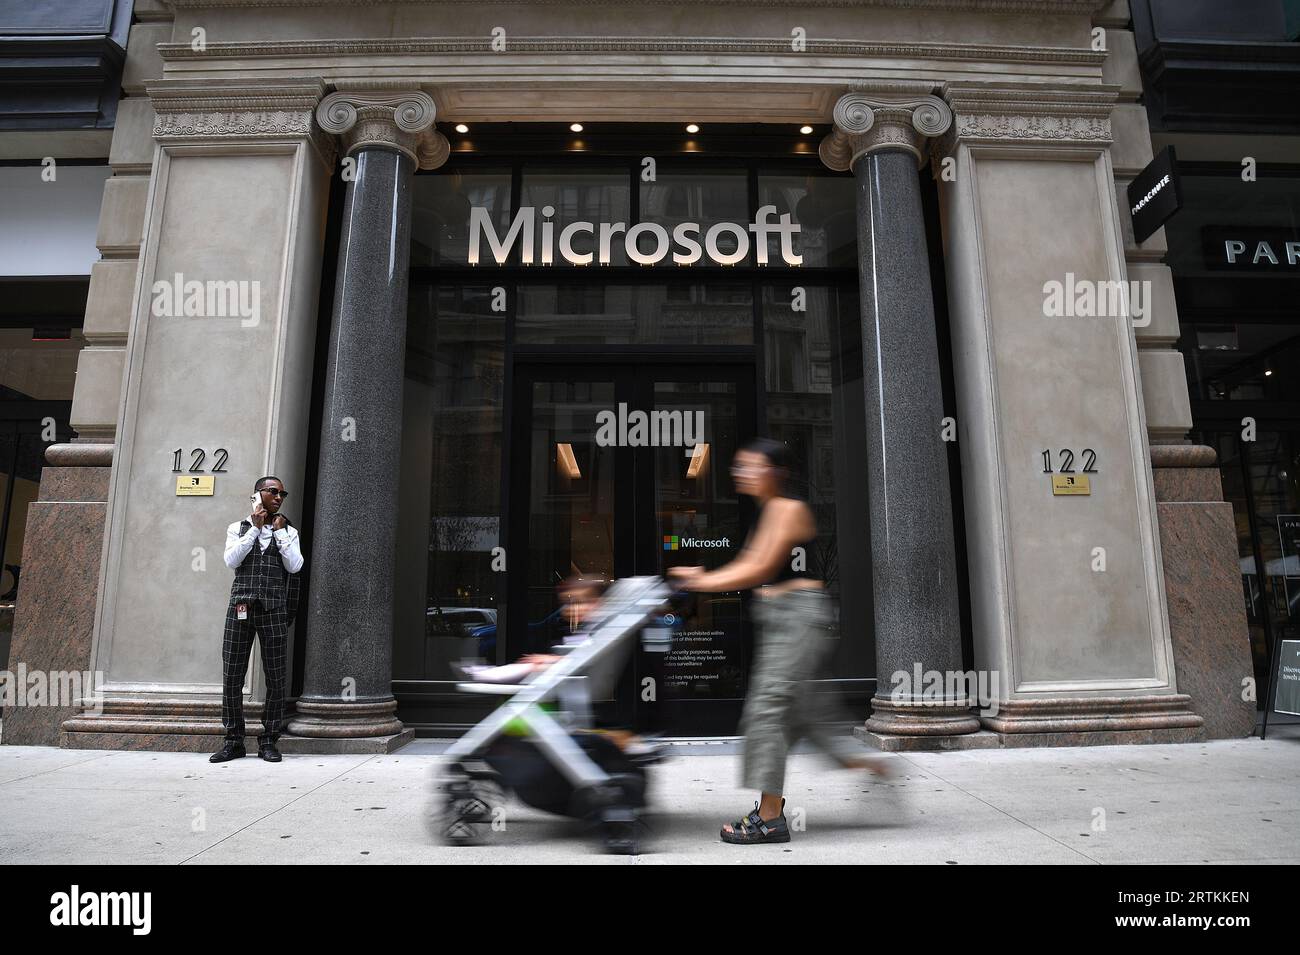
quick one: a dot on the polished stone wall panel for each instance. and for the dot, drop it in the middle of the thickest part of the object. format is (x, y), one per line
(1207, 619)
(55, 616)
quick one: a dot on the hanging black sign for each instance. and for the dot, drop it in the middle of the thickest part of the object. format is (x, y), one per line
(1155, 194)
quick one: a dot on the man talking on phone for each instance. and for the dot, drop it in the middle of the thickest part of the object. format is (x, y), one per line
(263, 550)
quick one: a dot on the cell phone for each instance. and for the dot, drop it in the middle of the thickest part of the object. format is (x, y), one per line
(254, 499)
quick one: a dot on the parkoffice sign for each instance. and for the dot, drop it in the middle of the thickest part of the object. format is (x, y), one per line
(645, 243)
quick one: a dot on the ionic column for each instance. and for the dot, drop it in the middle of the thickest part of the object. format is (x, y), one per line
(880, 135)
(387, 132)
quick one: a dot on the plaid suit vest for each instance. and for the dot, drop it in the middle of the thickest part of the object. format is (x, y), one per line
(261, 576)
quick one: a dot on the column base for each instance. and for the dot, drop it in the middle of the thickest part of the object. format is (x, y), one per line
(912, 719)
(904, 743)
(338, 720)
(347, 746)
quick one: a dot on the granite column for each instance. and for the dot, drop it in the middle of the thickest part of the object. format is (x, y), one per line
(347, 693)
(880, 135)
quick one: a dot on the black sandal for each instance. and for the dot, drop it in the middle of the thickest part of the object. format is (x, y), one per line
(754, 828)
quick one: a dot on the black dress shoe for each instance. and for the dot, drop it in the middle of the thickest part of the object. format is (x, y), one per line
(268, 752)
(228, 752)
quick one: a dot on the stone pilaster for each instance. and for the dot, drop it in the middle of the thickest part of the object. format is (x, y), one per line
(1068, 600)
(236, 199)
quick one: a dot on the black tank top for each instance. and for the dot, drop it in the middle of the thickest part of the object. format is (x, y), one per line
(807, 559)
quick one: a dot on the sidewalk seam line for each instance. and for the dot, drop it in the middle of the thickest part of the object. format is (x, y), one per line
(279, 809)
(80, 762)
(1022, 822)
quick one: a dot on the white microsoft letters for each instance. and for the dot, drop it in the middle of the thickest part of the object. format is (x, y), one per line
(645, 243)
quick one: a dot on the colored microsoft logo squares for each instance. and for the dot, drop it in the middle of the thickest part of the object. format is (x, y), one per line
(671, 542)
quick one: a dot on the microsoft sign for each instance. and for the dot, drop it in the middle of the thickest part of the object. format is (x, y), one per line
(683, 243)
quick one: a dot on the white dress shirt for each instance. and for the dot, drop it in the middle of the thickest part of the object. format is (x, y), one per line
(286, 539)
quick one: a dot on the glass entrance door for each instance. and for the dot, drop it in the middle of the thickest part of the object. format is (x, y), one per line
(624, 470)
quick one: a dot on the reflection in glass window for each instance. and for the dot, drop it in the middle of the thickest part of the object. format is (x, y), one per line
(813, 357)
(37, 371)
(440, 213)
(450, 494)
(707, 197)
(1242, 362)
(571, 509)
(578, 196)
(824, 209)
(712, 314)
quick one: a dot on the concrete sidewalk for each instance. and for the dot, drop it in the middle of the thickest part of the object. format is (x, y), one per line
(1236, 801)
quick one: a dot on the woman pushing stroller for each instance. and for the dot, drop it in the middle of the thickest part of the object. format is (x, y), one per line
(792, 614)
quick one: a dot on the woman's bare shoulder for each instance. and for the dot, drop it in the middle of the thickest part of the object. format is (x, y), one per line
(787, 509)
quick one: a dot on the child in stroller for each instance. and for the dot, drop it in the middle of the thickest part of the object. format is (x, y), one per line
(539, 744)
(579, 597)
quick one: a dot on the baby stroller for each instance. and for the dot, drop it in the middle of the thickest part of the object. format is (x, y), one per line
(537, 744)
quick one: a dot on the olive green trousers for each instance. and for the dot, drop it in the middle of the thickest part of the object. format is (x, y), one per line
(783, 706)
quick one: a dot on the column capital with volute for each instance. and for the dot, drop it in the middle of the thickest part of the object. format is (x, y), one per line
(380, 115)
(888, 116)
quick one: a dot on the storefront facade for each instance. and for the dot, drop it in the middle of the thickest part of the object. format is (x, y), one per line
(472, 243)
(512, 367)
(1219, 87)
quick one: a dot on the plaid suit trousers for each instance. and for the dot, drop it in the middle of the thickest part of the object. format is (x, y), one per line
(271, 627)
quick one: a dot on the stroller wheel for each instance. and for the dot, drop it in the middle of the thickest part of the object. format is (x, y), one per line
(465, 818)
(611, 810)
(619, 828)
(461, 833)
(620, 836)
(467, 809)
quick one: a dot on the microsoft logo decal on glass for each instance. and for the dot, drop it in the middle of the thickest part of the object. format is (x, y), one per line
(677, 542)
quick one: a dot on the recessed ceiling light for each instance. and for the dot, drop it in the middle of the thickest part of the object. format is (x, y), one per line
(462, 128)
(692, 128)
(806, 130)
(576, 127)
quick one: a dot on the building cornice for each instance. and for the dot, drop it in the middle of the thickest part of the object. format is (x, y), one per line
(1060, 7)
(197, 111)
(993, 114)
(559, 45)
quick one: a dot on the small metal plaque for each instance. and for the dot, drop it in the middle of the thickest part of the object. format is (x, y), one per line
(195, 485)
(1067, 484)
